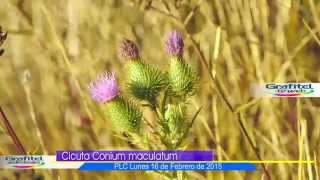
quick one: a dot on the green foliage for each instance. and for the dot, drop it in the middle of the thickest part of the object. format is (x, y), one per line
(175, 125)
(175, 122)
(145, 81)
(124, 115)
(182, 79)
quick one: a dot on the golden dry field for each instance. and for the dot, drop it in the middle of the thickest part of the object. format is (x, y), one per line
(54, 48)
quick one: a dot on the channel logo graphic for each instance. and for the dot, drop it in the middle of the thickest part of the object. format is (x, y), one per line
(21, 162)
(286, 90)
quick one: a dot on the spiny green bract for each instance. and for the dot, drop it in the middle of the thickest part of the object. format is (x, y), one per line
(145, 81)
(182, 79)
(124, 115)
(175, 122)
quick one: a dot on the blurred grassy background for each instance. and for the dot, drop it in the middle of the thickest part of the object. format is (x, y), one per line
(54, 48)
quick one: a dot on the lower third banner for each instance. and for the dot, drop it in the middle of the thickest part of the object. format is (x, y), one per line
(167, 166)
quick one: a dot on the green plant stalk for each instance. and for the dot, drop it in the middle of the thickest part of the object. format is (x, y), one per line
(159, 112)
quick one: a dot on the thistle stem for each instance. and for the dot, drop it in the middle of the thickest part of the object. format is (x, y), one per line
(12, 134)
(254, 147)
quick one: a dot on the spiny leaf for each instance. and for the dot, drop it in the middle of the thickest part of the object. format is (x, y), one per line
(188, 128)
(173, 123)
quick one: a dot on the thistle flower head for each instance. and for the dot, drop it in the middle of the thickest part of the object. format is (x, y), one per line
(145, 81)
(182, 79)
(174, 44)
(128, 50)
(104, 88)
(124, 114)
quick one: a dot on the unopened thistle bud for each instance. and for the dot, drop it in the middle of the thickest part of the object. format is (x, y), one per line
(124, 115)
(128, 50)
(181, 77)
(145, 81)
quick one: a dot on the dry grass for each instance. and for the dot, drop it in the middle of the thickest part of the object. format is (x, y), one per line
(54, 48)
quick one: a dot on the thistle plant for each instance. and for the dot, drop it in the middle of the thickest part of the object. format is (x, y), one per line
(166, 94)
(181, 86)
(145, 81)
(181, 77)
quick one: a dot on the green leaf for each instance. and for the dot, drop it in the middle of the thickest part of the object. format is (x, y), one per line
(188, 128)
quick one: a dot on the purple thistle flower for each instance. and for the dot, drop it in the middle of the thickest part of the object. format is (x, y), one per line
(174, 43)
(128, 50)
(104, 88)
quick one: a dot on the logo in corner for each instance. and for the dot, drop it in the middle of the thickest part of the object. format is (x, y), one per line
(286, 90)
(290, 89)
(24, 162)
